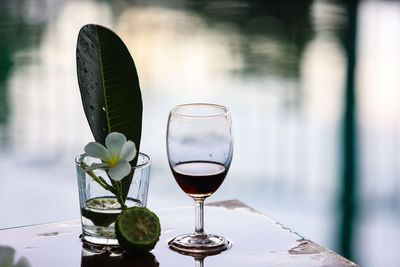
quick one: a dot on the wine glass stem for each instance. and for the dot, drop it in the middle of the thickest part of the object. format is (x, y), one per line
(199, 262)
(199, 207)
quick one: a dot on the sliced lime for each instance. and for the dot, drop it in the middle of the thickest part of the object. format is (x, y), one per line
(138, 230)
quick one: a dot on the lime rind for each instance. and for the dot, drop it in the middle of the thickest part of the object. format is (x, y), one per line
(138, 230)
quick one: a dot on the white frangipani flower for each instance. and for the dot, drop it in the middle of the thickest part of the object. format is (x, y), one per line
(115, 156)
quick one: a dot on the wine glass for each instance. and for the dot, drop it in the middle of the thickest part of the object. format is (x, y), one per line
(199, 148)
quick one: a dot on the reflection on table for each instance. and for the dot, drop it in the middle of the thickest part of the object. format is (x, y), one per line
(256, 241)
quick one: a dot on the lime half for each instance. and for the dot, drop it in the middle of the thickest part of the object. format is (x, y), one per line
(138, 229)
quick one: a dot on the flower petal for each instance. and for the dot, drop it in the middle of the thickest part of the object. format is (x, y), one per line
(114, 143)
(97, 150)
(128, 151)
(95, 166)
(118, 172)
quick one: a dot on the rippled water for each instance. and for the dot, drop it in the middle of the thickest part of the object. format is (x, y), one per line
(280, 68)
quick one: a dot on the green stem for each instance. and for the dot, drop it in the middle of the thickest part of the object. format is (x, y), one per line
(120, 198)
(101, 182)
(115, 188)
(109, 187)
(118, 187)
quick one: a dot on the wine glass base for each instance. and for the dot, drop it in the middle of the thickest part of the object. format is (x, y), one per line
(199, 244)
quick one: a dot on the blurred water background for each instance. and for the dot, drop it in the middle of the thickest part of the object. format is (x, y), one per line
(280, 66)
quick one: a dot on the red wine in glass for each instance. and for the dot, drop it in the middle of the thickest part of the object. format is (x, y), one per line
(199, 178)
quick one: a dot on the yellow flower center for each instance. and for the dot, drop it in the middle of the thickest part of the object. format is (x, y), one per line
(113, 162)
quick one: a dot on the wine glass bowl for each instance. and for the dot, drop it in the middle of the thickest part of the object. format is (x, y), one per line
(199, 148)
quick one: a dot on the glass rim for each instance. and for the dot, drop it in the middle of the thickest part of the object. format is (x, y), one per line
(225, 112)
(79, 158)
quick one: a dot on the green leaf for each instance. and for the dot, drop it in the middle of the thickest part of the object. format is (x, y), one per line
(109, 87)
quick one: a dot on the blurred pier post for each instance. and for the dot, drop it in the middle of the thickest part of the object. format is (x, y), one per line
(349, 149)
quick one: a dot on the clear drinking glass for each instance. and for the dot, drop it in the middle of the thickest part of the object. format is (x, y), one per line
(100, 208)
(199, 148)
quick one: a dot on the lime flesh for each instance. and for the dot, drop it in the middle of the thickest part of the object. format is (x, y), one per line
(138, 230)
